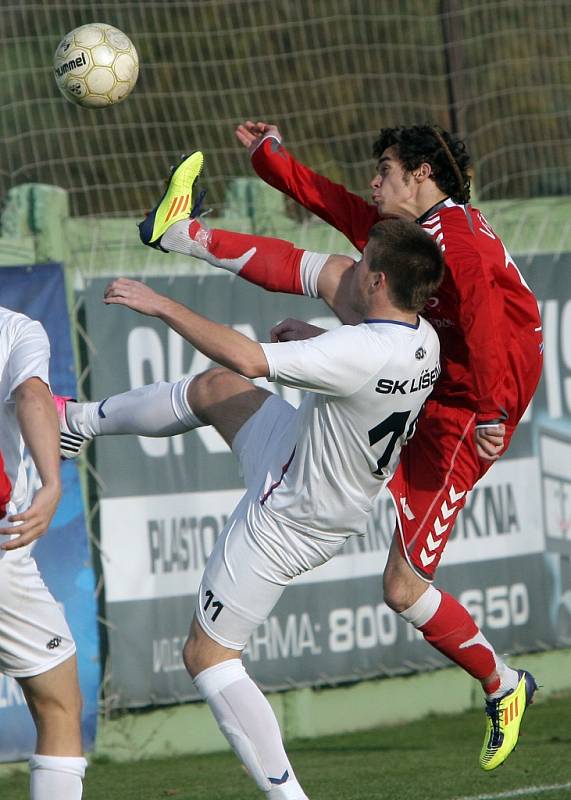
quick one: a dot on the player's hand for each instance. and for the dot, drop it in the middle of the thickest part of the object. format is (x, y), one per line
(490, 442)
(292, 330)
(135, 295)
(35, 521)
(252, 134)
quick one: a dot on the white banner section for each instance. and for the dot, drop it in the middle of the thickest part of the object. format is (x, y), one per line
(157, 545)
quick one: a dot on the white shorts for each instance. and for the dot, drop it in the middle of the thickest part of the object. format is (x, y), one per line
(251, 564)
(34, 636)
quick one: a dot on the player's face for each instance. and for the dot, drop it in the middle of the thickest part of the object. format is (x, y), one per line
(393, 191)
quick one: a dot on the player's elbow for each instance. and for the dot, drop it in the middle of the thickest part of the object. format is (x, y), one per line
(250, 361)
(252, 369)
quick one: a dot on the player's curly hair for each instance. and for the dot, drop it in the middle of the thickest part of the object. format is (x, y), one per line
(446, 154)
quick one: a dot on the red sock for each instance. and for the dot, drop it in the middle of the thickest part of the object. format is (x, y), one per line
(454, 633)
(271, 263)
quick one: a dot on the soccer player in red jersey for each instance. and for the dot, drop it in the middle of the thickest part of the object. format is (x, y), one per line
(491, 344)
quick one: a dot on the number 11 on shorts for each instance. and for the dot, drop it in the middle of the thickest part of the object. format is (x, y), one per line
(216, 605)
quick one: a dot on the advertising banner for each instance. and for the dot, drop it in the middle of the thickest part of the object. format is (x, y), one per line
(163, 502)
(62, 553)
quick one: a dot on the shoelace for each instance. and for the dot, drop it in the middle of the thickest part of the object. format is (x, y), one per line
(492, 710)
(197, 209)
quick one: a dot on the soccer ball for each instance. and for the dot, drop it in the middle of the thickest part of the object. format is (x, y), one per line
(96, 65)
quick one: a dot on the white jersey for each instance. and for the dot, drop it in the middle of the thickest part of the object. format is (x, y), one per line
(367, 384)
(24, 353)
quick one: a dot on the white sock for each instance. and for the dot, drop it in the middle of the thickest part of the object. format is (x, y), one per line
(509, 680)
(246, 719)
(178, 240)
(159, 409)
(424, 608)
(56, 777)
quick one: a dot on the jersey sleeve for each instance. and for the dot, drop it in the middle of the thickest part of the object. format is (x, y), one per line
(340, 208)
(335, 363)
(29, 355)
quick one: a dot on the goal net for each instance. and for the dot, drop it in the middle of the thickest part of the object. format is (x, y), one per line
(330, 73)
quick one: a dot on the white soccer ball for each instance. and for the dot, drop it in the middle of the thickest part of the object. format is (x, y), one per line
(96, 65)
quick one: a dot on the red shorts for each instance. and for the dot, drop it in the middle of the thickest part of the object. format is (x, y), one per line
(437, 469)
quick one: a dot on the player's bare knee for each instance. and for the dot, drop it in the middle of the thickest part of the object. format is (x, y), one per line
(195, 658)
(333, 277)
(400, 587)
(206, 389)
(336, 265)
(395, 595)
(191, 656)
(193, 650)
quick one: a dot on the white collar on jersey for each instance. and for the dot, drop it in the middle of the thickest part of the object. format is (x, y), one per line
(436, 207)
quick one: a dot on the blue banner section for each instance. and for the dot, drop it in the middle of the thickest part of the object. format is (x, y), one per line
(63, 553)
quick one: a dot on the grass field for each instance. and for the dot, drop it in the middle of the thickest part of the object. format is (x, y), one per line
(434, 759)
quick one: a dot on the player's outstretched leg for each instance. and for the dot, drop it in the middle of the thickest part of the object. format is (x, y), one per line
(504, 716)
(274, 264)
(176, 203)
(159, 409)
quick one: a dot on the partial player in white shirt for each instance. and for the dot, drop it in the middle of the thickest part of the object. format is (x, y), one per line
(311, 474)
(36, 646)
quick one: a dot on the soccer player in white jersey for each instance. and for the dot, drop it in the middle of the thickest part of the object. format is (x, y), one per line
(36, 646)
(311, 474)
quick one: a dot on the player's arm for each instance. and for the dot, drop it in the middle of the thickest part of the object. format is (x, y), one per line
(38, 422)
(340, 208)
(333, 362)
(218, 342)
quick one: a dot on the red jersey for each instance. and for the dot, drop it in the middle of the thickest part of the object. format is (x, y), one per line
(486, 316)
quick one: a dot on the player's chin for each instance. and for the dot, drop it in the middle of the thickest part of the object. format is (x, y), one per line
(385, 211)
